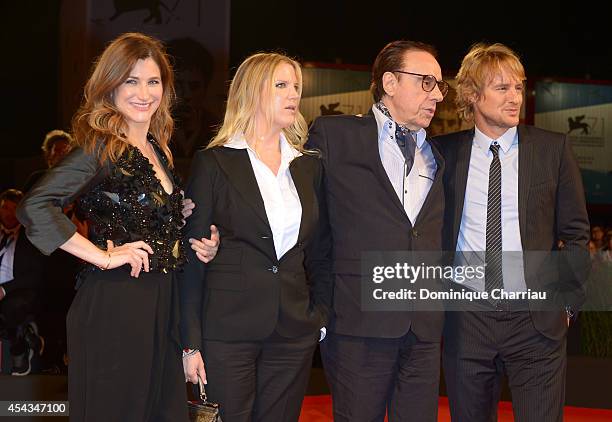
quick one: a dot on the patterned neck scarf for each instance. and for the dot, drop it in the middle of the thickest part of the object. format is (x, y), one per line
(404, 137)
(384, 110)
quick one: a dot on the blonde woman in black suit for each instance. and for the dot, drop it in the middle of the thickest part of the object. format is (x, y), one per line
(251, 317)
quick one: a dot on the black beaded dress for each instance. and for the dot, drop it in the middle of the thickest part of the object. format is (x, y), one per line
(123, 349)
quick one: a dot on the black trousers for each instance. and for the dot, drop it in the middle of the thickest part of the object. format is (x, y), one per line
(370, 376)
(124, 358)
(259, 380)
(479, 347)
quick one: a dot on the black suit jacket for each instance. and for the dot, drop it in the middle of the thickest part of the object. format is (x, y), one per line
(365, 214)
(246, 293)
(28, 266)
(551, 206)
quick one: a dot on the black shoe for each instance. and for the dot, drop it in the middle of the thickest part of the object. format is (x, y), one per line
(22, 364)
(52, 370)
(35, 341)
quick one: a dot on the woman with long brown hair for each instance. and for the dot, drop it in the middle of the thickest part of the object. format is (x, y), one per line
(122, 345)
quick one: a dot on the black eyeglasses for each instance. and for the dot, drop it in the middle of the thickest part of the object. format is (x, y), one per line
(429, 82)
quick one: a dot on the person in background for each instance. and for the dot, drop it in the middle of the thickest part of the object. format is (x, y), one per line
(598, 237)
(606, 252)
(251, 317)
(56, 145)
(194, 68)
(21, 280)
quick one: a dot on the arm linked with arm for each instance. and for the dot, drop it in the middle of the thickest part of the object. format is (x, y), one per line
(191, 279)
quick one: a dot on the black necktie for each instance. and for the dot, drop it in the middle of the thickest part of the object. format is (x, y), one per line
(493, 254)
(407, 145)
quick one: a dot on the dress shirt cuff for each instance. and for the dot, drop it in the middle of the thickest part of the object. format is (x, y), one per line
(323, 334)
(189, 352)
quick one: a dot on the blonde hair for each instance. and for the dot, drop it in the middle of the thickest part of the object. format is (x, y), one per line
(54, 136)
(99, 120)
(254, 78)
(478, 67)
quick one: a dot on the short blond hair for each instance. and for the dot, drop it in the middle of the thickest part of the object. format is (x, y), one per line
(478, 67)
(253, 78)
(52, 137)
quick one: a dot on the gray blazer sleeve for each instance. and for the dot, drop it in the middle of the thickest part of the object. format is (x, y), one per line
(41, 211)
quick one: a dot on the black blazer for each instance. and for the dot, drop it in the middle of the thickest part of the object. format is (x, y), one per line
(365, 214)
(28, 266)
(551, 204)
(245, 292)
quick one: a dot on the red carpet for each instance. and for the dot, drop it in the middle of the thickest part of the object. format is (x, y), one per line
(319, 409)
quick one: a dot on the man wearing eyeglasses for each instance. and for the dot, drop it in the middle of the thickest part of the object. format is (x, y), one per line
(512, 191)
(384, 191)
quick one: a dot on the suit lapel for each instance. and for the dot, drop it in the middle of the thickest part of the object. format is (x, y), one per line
(302, 181)
(462, 166)
(236, 164)
(524, 179)
(369, 139)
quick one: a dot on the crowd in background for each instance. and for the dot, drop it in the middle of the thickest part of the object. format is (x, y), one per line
(35, 290)
(600, 245)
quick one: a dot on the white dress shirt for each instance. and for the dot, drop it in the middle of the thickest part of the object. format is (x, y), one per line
(280, 197)
(412, 189)
(473, 229)
(7, 255)
(281, 200)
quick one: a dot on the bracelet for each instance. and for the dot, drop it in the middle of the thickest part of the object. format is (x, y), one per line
(107, 264)
(189, 352)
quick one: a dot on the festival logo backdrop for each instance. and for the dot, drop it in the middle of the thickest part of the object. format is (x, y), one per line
(584, 112)
(329, 91)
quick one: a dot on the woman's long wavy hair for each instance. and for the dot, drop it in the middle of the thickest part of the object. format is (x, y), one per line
(99, 121)
(480, 64)
(253, 80)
